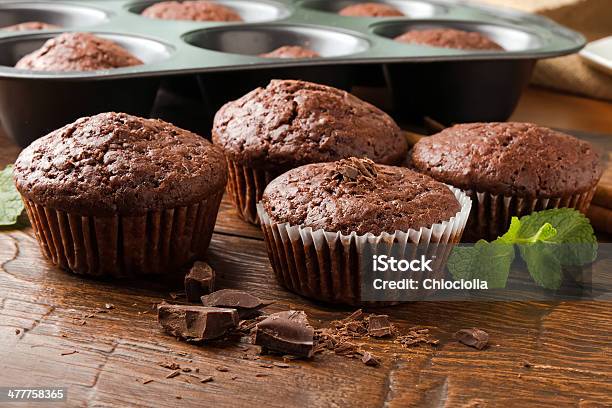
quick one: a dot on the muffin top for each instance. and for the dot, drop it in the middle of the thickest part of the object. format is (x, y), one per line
(116, 163)
(370, 10)
(357, 195)
(449, 38)
(290, 51)
(30, 26)
(195, 10)
(519, 159)
(290, 123)
(78, 52)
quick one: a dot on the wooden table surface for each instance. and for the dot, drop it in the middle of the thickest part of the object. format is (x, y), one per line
(107, 359)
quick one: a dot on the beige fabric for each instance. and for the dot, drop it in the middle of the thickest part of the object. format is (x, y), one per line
(593, 18)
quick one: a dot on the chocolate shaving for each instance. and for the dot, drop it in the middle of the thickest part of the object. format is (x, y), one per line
(174, 374)
(353, 170)
(416, 336)
(169, 365)
(473, 337)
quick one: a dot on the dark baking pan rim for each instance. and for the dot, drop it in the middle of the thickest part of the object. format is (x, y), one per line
(189, 59)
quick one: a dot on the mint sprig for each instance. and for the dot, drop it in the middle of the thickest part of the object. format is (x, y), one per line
(11, 205)
(547, 241)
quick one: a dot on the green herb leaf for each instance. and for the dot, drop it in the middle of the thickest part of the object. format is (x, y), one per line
(543, 264)
(11, 205)
(513, 231)
(547, 241)
(486, 261)
(575, 235)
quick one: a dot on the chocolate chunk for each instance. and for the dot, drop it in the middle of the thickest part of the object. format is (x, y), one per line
(287, 333)
(196, 323)
(379, 326)
(369, 359)
(199, 281)
(246, 304)
(473, 337)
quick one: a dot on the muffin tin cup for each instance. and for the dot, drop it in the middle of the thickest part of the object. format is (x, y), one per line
(491, 213)
(245, 186)
(330, 266)
(155, 243)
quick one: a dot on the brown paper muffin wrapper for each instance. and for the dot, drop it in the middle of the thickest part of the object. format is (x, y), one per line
(491, 214)
(245, 186)
(154, 243)
(328, 266)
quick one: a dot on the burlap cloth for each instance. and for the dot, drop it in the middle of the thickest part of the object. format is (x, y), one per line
(592, 18)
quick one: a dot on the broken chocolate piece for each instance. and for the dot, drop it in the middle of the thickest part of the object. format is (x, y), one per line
(246, 304)
(379, 326)
(287, 333)
(473, 337)
(196, 323)
(369, 359)
(199, 281)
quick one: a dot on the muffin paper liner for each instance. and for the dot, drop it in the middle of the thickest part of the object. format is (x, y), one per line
(491, 214)
(154, 243)
(329, 266)
(245, 186)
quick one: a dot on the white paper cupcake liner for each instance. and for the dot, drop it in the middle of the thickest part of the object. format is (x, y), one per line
(329, 266)
(491, 213)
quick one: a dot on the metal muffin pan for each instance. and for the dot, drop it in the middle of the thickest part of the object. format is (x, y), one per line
(447, 84)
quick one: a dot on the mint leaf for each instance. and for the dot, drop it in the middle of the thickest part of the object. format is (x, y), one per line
(575, 235)
(543, 264)
(513, 231)
(486, 261)
(11, 205)
(547, 240)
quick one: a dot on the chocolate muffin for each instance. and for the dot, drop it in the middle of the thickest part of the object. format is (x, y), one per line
(78, 52)
(194, 10)
(510, 169)
(31, 26)
(450, 38)
(319, 220)
(370, 10)
(119, 195)
(291, 51)
(290, 123)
